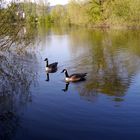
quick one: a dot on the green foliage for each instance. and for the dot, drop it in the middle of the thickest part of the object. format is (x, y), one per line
(119, 11)
(9, 14)
(95, 10)
(123, 12)
(77, 13)
(15, 17)
(58, 15)
(98, 12)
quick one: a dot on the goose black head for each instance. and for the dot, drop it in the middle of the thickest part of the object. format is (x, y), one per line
(64, 70)
(46, 59)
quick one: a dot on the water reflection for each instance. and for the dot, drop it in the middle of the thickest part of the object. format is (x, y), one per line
(117, 99)
(17, 74)
(66, 87)
(18, 71)
(17, 37)
(9, 122)
(50, 72)
(110, 59)
(47, 76)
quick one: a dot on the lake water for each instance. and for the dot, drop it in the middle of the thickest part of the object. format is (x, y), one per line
(104, 106)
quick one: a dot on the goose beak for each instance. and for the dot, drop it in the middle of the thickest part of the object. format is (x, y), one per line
(45, 59)
(62, 71)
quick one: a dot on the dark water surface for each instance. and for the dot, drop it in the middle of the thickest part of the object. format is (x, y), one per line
(105, 106)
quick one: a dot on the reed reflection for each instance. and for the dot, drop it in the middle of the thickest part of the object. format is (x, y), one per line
(17, 73)
(10, 123)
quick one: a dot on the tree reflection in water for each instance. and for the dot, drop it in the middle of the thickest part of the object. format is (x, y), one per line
(17, 73)
(111, 62)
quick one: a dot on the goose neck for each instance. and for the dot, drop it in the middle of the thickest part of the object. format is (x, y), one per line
(66, 73)
(47, 63)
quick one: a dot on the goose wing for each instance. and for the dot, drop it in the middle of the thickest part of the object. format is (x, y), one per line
(78, 75)
(53, 65)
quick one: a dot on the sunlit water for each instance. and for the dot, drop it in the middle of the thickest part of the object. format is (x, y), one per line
(105, 106)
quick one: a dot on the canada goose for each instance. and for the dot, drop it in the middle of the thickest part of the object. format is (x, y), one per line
(51, 67)
(74, 77)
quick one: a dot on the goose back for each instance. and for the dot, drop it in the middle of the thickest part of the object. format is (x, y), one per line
(76, 77)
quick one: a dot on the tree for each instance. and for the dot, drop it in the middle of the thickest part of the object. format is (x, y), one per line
(59, 15)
